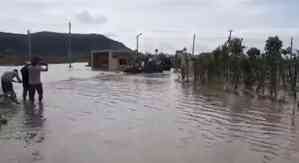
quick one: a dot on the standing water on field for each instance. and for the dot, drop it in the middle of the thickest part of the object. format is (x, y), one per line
(93, 117)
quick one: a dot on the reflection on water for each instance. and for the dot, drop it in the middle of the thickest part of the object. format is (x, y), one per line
(146, 118)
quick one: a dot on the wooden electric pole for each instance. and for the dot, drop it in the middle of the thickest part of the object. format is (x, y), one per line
(70, 45)
(137, 43)
(29, 45)
(193, 44)
(230, 35)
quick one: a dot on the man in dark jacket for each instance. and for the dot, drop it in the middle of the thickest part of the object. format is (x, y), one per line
(25, 78)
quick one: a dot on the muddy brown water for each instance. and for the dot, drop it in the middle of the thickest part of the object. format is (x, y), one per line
(109, 118)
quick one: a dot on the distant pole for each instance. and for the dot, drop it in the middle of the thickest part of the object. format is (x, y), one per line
(70, 45)
(295, 69)
(291, 50)
(228, 50)
(29, 45)
(137, 42)
(193, 44)
(156, 51)
(230, 35)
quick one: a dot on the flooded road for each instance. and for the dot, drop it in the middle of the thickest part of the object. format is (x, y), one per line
(113, 118)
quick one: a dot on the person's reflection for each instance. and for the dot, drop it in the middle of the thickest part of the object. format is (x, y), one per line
(294, 110)
(34, 121)
(293, 123)
(34, 115)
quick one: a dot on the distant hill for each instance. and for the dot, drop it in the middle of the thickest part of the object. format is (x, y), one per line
(54, 45)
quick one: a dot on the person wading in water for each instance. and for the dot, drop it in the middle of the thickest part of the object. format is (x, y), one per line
(35, 83)
(25, 78)
(7, 80)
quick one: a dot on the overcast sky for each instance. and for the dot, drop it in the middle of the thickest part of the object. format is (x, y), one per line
(166, 24)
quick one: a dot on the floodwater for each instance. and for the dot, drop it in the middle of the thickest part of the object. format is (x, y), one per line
(92, 117)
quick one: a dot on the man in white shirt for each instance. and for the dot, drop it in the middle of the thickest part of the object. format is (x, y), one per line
(7, 80)
(35, 83)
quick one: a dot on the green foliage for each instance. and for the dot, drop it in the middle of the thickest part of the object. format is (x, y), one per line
(229, 64)
(236, 46)
(273, 47)
(253, 52)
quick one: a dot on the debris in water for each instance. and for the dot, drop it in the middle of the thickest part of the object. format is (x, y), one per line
(3, 121)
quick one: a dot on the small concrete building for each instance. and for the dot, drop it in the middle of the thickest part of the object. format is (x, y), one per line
(111, 60)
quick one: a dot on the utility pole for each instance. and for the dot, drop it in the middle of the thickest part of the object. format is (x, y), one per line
(228, 50)
(29, 45)
(70, 45)
(137, 43)
(295, 68)
(291, 50)
(156, 51)
(193, 44)
(230, 35)
(294, 81)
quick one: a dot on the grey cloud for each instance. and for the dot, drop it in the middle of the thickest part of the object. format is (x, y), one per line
(168, 30)
(271, 2)
(163, 22)
(186, 3)
(86, 18)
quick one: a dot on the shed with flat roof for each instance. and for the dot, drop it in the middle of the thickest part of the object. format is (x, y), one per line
(111, 60)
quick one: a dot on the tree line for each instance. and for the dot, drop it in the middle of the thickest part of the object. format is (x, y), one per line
(268, 71)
